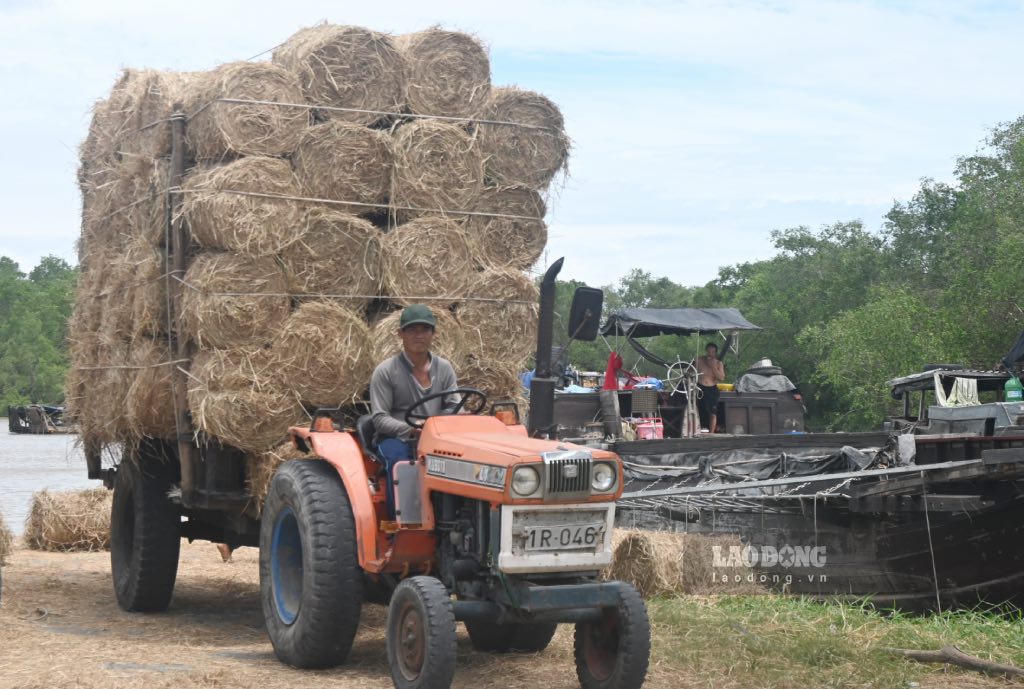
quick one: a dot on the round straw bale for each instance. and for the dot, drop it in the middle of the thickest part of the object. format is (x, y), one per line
(336, 253)
(496, 379)
(156, 94)
(114, 120)
(105, 418)
(219, 129)
(249, 419)
(70, 520)
(342, 161)
(446, 72)
(233, 300)
(427, 259)
(150, 401)
(447, 343)
(260, 468)
(116, 302)
(500, 318)
(240, 368)
(522, 155)
(6, 541)
(346, 67)
(147, 215)
(507, 242)
(668, 563)
(145, 266)
(221, 218)
(438, 166)
(323, 353)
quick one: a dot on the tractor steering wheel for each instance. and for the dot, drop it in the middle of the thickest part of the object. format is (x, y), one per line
(417, 420)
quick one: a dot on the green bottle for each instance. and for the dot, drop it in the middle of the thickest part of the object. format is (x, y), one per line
(1014, 390)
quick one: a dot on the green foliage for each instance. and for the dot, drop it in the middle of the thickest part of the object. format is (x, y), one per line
(34, 311)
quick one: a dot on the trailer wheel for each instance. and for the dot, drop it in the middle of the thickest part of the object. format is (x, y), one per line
(421, 635)
(145, 534)
(310, 580)
(512, 637)
(613, 653)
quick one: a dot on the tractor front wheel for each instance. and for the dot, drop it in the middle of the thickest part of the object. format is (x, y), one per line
(310, 580)
(421, 635)
(613, 653)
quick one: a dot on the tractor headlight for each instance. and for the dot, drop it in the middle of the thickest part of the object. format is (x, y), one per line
(603, 478)
(525, 480)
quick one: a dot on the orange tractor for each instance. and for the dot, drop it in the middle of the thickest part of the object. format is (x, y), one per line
(490, 523)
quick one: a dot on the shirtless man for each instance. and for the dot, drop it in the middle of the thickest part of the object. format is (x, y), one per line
(710, 372)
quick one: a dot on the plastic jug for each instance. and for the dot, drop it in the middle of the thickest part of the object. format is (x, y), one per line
(1014, 390)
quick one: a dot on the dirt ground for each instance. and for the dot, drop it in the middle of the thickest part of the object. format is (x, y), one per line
(60, 628)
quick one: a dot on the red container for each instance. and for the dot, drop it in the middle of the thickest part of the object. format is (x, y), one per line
(650, 428)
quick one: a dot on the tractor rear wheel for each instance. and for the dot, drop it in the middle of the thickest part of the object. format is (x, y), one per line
(613, 652)
(310, 580)
(421, 635)
(512, 637)
(145, 533)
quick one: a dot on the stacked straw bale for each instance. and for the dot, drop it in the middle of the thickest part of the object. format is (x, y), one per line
(70, 520)
(352, 174)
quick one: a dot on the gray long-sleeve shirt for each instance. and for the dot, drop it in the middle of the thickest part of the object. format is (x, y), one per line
(394, 389)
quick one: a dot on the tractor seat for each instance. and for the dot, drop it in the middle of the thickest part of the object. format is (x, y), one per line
(367, 434)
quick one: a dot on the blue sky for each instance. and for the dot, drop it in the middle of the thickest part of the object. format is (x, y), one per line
(697, 127)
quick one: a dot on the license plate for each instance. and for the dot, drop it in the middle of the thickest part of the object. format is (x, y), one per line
(569, 537)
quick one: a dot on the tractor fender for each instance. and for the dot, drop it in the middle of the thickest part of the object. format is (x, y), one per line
(341, 451)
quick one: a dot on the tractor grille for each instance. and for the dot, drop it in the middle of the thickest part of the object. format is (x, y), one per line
(566, 474)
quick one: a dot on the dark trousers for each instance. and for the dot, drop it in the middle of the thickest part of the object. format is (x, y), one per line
(392, 451)
(707, 405)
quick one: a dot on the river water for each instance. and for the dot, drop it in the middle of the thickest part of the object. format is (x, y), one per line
(33, 462)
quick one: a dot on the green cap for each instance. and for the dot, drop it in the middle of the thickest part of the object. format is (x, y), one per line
(417, 313)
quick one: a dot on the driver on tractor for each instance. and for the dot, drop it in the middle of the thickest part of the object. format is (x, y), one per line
(402, 380)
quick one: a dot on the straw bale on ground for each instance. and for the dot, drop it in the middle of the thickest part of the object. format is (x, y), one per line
(335, 253)
(447, 73)
(342, 161)
(666, 563)
(322, 353)
(427, 259)
(219, 129)
(503, 242)
(503, 324)
(69, 520)
(438, 166)
(448, 341)
(345, 67)
(231, 300)
(261, 466)
(6, 541)
(149, 404)
(221, 218)
(528, 156)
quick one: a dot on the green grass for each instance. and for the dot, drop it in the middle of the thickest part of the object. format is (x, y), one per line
(770, 641)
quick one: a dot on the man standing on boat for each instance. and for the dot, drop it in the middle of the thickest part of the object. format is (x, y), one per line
(710, 372)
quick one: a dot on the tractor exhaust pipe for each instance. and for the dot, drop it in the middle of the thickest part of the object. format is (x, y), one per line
(542, 387)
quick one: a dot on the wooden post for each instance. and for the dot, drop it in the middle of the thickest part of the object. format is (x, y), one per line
(181, 348)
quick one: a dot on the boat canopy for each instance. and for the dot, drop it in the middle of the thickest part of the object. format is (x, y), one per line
(925, 380)
(651, 322)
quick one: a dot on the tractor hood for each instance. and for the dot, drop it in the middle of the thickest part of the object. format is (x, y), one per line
(486, 439)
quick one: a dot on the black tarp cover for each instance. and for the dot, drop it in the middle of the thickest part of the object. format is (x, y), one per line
(651, 322)
(1016, 354)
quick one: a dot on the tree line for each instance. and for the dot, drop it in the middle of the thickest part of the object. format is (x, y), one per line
(843, 308)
